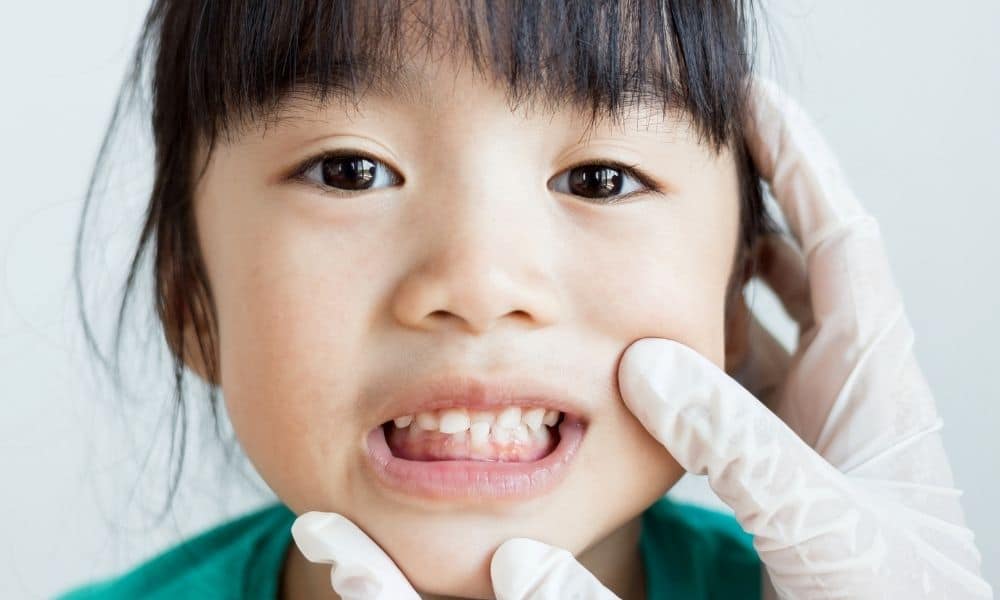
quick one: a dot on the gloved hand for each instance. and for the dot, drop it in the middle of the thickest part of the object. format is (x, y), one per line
(849, 493)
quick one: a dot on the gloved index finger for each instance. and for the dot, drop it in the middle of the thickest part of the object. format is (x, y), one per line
(804, 175)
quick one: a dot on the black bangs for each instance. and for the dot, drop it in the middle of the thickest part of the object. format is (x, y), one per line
(225, 63)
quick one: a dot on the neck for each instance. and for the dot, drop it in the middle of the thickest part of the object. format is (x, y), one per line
(614, 560)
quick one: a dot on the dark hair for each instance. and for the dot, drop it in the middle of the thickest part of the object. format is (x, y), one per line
(222, 64)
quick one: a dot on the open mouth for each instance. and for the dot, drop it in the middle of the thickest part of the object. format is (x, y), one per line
(513, 452)
(510, 434)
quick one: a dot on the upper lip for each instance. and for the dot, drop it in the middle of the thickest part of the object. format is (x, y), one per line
(477, 393)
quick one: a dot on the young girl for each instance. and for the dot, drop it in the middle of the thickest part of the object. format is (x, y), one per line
(410, 243)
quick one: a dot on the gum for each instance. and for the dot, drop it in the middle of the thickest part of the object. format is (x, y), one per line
(425, 445)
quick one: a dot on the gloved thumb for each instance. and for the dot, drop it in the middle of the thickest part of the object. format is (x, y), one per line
(526, 569)
(360, 568)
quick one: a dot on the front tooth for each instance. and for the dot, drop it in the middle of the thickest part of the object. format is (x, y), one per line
(427, 421)
(551, 416)
(403, 421)
(533, 418)
(481, 417)
(521, 433)
(454, 420)
(479, 434)
(510, 417)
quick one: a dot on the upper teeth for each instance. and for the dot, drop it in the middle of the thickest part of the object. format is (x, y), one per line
(454, 420)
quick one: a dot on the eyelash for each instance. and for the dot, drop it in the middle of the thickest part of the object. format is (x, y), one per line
(630, 170)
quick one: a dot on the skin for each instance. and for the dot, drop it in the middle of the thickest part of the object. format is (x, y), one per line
(487, 270)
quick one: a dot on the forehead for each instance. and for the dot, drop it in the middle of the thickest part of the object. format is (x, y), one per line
(445, 87)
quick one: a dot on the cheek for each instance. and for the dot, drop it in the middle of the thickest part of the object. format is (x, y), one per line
(666, 280)
(290, 366)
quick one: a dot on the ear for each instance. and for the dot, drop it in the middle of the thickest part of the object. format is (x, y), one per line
(737, 319)
(193, 358)
(737, 327)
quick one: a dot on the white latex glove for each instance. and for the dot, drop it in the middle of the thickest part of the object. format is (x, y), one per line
(849, 493)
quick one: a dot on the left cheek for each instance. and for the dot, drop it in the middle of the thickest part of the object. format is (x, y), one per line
(681, 303)
(658, 272)
(689, 312)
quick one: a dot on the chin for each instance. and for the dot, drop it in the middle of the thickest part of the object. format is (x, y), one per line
(455, 560)
(450, 567)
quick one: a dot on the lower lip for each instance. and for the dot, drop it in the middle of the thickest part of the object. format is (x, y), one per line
(450, 479)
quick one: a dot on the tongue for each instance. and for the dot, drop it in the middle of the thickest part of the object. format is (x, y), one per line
(419, 444)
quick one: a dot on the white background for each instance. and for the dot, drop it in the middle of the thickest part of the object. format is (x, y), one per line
(907, 93)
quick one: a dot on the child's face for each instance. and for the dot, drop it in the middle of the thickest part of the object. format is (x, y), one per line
(473, 266)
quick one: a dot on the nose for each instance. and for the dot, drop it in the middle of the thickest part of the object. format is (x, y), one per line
(484, 260)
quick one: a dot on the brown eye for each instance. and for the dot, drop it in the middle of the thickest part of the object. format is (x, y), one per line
(599, 181)
(595, 181)
(348, 172)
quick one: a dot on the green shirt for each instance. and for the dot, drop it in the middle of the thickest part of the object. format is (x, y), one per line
(688, 552)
